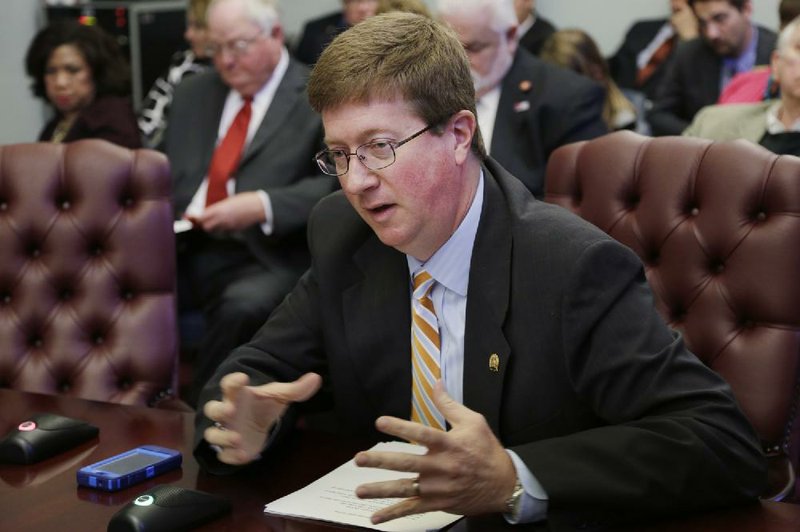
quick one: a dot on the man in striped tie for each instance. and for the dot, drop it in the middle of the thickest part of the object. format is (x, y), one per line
(447, 307)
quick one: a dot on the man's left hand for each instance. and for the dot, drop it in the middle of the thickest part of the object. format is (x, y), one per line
(465, 471)
(234, 213)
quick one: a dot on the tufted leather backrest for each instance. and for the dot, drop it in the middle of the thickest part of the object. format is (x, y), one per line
(717, 226)
(87, 272)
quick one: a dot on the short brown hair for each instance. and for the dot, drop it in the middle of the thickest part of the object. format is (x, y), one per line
(738, 4)
(397, 55)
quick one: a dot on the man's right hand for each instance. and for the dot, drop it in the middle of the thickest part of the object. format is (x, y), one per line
(685, 24)
(244, 416)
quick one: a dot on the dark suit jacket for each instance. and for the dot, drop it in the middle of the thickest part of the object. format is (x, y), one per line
(599, 398)
(278, 160)
(623, 62)
(108, 117)
(542, 107)
(317, 34)
(534, 38)
(692, 82)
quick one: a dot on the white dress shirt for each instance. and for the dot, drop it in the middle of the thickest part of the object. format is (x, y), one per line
(260, 104)
(449, 267)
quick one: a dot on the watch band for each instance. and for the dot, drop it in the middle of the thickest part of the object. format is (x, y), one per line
(512, 509)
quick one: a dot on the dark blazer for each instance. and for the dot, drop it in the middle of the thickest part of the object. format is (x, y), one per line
(623, 62)
(317, 34)
(542, 107)
(598, 397)
(534, 38)
(278, 160)
(108, 117)
(692, 82)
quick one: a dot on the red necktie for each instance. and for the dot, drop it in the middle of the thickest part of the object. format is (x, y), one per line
(226, 156)
(658, 57)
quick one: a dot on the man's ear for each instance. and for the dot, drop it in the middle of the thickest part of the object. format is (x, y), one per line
(464, 126)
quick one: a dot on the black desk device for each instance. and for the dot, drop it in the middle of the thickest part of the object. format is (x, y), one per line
(43, 436)
(168, 509)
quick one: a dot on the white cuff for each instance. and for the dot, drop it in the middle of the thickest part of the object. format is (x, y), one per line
(267, 227)
(533, 505)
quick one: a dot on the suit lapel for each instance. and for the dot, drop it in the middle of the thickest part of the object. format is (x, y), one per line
(486, 350)
(219, 93)
(287, 94)
(377, 318)
(511, 112)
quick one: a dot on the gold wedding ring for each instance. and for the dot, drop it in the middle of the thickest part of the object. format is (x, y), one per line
(415, 487)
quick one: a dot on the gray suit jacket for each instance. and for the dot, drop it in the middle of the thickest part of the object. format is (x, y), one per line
(600, 399)
(278, 160)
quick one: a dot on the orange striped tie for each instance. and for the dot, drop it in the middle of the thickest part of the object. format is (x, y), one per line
(425, 346)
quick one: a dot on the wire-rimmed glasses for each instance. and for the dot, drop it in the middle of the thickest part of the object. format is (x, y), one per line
(376, 154)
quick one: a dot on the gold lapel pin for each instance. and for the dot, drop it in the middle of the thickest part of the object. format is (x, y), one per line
(494, 362)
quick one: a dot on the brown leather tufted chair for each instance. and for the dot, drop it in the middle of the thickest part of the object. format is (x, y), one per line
(717, 226)
(87, 272)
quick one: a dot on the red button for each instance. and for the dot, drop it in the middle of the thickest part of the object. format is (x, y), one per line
(27, 426)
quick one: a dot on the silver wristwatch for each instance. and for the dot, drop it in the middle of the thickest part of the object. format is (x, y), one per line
(514, 503)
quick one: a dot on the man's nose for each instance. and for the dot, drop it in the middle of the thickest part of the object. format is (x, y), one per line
(358, 178)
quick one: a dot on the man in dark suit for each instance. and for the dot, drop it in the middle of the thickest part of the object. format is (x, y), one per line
(247, 249)
(533, 30)
(319, 32)
(649, 45)
(702, 67)
(526, 107)
(441, 291)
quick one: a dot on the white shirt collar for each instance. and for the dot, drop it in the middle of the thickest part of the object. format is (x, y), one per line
(774, 124)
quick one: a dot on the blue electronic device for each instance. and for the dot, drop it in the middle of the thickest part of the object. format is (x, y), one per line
(129, 468)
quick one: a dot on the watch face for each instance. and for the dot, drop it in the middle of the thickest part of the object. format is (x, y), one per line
(513, 502)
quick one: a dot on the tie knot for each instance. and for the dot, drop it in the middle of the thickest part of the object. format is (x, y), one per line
(422, 283)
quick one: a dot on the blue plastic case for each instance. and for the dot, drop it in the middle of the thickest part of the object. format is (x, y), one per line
(129, 468)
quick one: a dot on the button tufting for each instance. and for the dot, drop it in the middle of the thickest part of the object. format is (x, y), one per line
(761, 216)
(694, 211)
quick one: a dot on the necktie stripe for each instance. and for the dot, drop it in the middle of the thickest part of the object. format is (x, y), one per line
(425, 360)
(425, 353)
(427, 330)
(426, 410)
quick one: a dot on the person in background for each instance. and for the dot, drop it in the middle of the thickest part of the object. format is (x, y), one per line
(702, 67)
(758, 84)
(241, 140)
(526, 107)
(446, 306)
(319, 32)
(641, 61)
(576, 50)
(408, 6)
(774, 124)
(533, 30)
(80, 71)
(155, 106)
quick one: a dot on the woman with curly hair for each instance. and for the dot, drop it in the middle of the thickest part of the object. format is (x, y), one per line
(80, 71)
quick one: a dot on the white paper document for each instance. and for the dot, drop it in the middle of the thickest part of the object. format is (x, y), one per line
(332, 498)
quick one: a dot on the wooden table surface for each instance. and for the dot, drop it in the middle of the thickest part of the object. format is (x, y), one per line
(45, 496)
